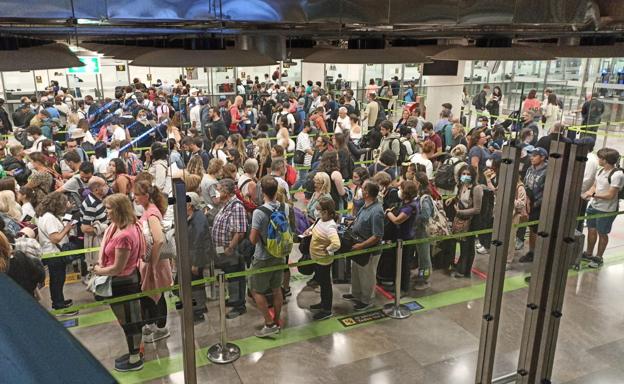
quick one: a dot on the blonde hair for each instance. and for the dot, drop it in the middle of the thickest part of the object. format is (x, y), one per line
(215, 166)
(192, 182)
(324, 177)
(195, 166)
(121, 210)
(264, 149)
(5, 253)
(9, 206)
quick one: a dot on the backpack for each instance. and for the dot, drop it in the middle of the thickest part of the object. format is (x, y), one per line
(291, 175)
(402, 152)
(248, 203)
(279, 240)
(175, 100)
(381, 114)
(299, 120)
(301, 221)
(226, 117)
(445, 176)
(621, 191)
(437, 224)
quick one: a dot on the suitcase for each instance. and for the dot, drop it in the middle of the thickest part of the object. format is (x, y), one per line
(577, 250)
(341, 271)
(386, 269)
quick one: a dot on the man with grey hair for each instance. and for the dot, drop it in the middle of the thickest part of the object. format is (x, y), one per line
(198, 233)
(228, 231)
(342, 121)
(278, 171)
(93, 218)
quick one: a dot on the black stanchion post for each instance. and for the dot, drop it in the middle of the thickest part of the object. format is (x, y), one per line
(185, 278)
(397, 310)
(223, 352)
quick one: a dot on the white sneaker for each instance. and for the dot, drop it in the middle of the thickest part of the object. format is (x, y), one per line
(267, 331)
(519, 244)
(158, 334)
(482, 250)
(148, 329)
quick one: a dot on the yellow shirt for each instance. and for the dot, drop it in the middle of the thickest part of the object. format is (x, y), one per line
(324, 240)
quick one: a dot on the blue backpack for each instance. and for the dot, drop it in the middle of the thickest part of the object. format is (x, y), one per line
(279, 240)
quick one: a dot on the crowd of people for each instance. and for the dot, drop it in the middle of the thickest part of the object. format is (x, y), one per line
(273, 166)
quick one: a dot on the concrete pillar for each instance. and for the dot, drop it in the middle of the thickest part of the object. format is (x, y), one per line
(444, 89)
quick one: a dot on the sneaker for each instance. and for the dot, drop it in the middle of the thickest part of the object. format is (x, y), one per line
(322, 315)
(312, 284)
(286, 292)
(316, 307)
(587, 257)
(268, 330)
(527, 258)
(73, 312)
(127, 366)
(199, 317)
(348, 296)
(519, 244)
(158, 334)
(148, 329)
(68, 303)
(235, 312)
(421, 285)
(457, 275)
(482, 250)
(122, 358)
(596, 262)
(359, 306)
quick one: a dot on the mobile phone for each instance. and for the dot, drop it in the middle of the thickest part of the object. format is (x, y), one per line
(67, 217)
(74, 222)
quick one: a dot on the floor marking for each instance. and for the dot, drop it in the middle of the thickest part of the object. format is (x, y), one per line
(162, 367)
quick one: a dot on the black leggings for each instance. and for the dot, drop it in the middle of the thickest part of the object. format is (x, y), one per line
(155, 312)
(57, 269)
(323, 277)
(128, 313)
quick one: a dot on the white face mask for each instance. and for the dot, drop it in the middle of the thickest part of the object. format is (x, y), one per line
(52, 148)
(217, 194)
(30, 138)
(400, 194)
(488, 163)
(317, 213)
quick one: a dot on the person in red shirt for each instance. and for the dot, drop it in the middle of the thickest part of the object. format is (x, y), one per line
(318, 118)
(235, 114)
(430, 135)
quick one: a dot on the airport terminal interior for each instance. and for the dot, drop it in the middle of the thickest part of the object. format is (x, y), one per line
(272, 191)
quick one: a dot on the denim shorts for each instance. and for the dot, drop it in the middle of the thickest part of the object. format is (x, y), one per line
(603, 224)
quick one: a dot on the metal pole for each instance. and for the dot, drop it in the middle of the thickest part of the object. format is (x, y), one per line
(184, 275)
(223, 352)
(397, 310)
(128, 72)
(604, 141)
(211, 271)
(503, 215)
(4, 94)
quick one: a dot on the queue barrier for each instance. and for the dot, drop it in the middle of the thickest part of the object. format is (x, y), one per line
(252, 272)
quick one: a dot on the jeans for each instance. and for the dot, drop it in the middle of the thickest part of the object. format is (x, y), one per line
(237, 287)
(57, 270)
(323, 277)
(303, 173)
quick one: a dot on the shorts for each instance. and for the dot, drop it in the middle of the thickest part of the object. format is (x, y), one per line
(266, 282)
(533, 216)
(603, 224)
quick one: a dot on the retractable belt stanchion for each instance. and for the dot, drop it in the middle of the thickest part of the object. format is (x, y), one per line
(212, 294)
(223, 352)
(397, 310)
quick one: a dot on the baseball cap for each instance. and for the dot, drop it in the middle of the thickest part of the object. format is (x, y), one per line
(196, 201)
(538, 151)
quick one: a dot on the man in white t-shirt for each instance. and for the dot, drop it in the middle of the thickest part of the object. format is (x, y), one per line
(304, 145)
(278, 171)
(343, 121)
(589, 176)
(604, 199)
(119, 133)
(195, 113)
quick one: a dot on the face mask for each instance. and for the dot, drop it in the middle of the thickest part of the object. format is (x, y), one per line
(217, 194)
(488, 163)
(465, 179)
(317, 213)
(400, 194)
(52, 148)
(30, 138)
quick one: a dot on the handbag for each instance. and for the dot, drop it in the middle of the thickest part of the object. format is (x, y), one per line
(460, 225)
(347, 240)
(101, 285)
(299, 157)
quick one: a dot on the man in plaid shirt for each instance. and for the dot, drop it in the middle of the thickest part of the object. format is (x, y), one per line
(228, 230)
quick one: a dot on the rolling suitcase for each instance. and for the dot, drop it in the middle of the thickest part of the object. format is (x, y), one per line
(341, 271)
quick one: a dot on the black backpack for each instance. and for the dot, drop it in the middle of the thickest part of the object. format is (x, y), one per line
(621, 191)
(445, 176)
(402, 152)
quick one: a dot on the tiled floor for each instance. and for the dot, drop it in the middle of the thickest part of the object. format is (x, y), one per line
(433, 346)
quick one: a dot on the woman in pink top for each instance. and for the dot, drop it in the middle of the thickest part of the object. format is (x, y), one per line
(531, 103)
(371, 87)
(155, 273)
(122, 247)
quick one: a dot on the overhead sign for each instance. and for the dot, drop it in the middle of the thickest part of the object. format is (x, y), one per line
(91, 65)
